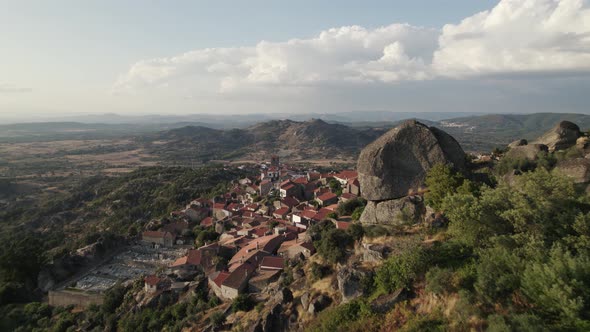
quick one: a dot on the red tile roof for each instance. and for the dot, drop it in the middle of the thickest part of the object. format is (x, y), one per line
(332, 207)
(272, 263)
(221, 278)
(260, 231)
(238, 276)
(152, 280)
(289, 201)
(179, 262)
(342, 225)
(282, 211)
(301, 180)
(267, 244)
(308, 214)
(347, 174)
(348, 196)
(313, 175)
(207, 222)
(327, 196)
(288, 186)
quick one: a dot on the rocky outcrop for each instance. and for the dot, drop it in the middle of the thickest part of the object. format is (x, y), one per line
(385, 303)
(397, 162)
(395, 165)
(350, 282)
(305, 298)
(578, 169)
(527, 152)
(373, 253)
(318, 304)
(564, 135)
(275, 320)
(405, 210)
(519, 142)
(283, 296)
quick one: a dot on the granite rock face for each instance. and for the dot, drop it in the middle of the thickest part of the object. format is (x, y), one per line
(397, 162)
(578, 169)
(394, 167)
(350, 281)
(564, 135)
(405, 210)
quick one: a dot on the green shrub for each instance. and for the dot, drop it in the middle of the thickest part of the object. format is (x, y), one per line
(356, 230)
(319, 271)
(242, 303)
(217, 319)
(399, 271)
(332, 245)
(439, 281)
(340, 318)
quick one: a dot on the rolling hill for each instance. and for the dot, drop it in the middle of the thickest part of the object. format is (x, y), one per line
(291, 139)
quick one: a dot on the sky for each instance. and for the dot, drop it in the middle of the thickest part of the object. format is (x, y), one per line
(235, 57)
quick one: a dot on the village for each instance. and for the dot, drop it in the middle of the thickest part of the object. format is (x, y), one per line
(235, 243)
(257, 240)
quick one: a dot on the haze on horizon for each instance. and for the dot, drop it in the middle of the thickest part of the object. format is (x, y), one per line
(221, 57)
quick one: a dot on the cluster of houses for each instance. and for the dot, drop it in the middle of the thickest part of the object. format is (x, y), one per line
(262, 221)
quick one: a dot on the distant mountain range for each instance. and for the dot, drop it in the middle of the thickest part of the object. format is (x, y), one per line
(295, 140)
(221, 121)
(313, 138)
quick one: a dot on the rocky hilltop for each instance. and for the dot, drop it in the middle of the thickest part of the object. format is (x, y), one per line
(564, 135)
(395, 165)
(291, 139)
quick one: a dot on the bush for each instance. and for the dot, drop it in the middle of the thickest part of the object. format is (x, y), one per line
(399, 271)
(356, 214)
(348, 207)
(439, 281)
(441, 181)
(340, 318)
(332, 245)
(319, 271)
(217, 319)
(356, 231)
(242, 303)
(373, 231)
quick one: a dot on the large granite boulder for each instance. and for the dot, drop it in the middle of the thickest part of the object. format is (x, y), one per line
(397, 162)
(564, 135)
(394, 212)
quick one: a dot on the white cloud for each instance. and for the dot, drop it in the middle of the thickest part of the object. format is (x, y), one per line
(515, 36)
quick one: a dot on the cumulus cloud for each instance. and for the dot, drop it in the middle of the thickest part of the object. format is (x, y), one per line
(11, 88)
(515, 36)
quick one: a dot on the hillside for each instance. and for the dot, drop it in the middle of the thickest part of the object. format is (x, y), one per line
(481, 249)
(290, 139)
(485, 132)
(318, 139)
